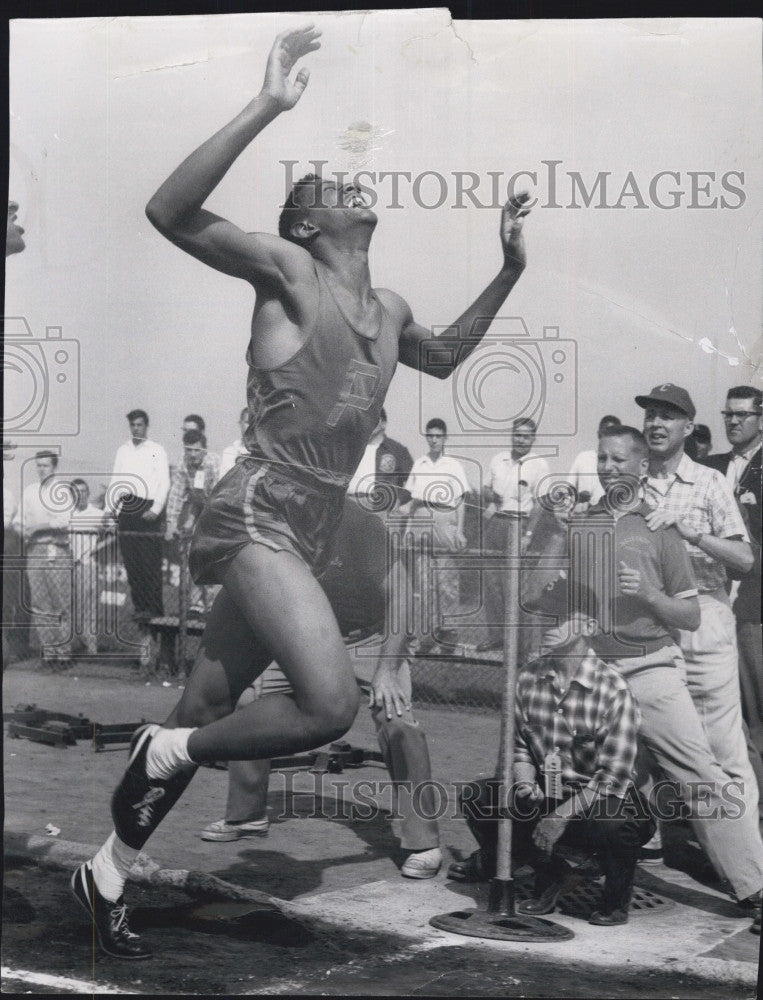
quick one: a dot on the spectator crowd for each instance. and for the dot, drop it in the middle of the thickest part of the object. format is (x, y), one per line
(671, 643)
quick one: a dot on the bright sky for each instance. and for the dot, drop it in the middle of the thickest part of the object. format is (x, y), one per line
(101, 110)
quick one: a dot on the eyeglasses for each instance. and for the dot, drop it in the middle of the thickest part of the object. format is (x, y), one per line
(729, 415)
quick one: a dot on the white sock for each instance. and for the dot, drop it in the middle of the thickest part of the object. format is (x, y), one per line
(110, 867)
(167, 753)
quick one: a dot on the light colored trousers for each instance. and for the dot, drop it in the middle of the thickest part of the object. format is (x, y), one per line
(724, 819)
(712, 673)
(50, 589)
(436, 588)
(403, 745)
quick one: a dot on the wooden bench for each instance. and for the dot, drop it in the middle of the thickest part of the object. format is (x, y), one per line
(165, 645)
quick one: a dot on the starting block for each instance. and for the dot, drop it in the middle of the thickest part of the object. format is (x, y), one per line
(42, 726)
(332, 761)
(54, 734)
(117, 732)
(61, 730)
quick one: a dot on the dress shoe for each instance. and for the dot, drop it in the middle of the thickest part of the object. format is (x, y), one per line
(472, 869)
(751, 904)
(544, 903)
(608, 919)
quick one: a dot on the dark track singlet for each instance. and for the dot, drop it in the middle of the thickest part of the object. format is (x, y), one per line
(310, 421)
(316, 412)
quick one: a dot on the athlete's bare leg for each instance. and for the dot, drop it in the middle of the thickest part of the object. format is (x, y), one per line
(271, 607)
(230, 656)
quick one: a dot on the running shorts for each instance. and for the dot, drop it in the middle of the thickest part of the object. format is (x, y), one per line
(262, 504)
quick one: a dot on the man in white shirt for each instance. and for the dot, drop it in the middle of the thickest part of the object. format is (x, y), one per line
(136, 496)
(43, 520)
(516, 479)
(85, 525)
(583, 474)
(437, 485)
(238, 448)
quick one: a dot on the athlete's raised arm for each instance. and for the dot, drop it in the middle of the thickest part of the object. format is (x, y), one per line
(441, 355)
(176, 208)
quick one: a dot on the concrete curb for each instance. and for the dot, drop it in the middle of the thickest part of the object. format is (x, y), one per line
(145, 871)
(331, 908)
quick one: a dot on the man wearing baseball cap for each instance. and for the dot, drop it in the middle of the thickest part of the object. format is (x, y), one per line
(699, 502)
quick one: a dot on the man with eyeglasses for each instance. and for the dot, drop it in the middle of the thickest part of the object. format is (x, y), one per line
(701, 505)
(743, 421)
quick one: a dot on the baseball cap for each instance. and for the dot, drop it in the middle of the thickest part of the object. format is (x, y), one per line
(675, 395)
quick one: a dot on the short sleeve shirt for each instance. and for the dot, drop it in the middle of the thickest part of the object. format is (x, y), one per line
(517, 483)
(702, 497)
(442, 482)
(661, 558)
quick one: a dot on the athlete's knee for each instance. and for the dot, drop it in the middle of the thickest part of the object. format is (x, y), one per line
(193, 712)
(336, 714)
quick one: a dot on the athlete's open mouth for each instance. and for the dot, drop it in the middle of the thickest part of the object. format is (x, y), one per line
(356, 200)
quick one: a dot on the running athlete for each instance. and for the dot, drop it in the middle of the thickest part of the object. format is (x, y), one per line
(324, 346)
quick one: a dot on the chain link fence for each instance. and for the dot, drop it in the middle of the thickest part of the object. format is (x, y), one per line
(127, 596)
(70, 593)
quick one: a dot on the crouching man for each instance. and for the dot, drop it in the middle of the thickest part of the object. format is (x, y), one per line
(574, 756)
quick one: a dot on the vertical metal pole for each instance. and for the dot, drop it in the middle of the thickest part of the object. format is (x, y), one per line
(501, 898)
(183, 589)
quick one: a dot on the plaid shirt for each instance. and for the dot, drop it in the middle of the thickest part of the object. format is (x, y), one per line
(593, 725)
(180, 510)
(703, 498)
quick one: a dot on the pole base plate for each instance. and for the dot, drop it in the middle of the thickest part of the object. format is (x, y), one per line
(501, 926)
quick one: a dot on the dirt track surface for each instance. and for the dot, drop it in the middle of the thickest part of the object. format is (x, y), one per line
(266, 953)
(362, 930)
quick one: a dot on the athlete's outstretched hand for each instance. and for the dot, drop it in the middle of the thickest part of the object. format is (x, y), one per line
(513, 243)
(288, 47)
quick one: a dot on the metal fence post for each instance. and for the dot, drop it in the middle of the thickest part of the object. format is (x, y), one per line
(183, 590)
